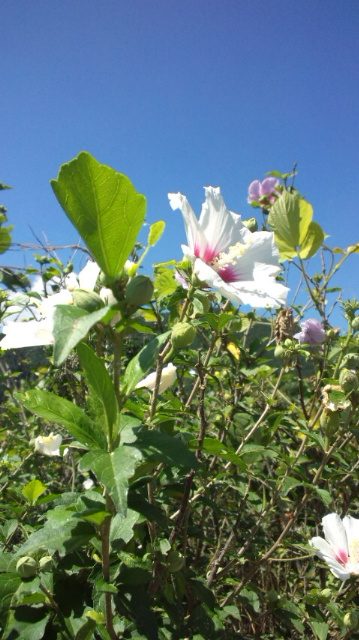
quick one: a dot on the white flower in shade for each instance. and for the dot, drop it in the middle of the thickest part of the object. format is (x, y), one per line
(340, 549)
(49, 445)
(88, 484)
(168, 376)
(227, 256)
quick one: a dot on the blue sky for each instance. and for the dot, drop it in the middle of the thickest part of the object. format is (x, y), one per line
(179, 94)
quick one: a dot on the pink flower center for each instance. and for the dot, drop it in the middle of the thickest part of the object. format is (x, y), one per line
(341, 556)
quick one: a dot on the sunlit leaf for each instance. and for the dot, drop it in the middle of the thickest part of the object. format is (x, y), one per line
(105, 208)
(71, 325)
(32, 490)
(156, 231)
(142, 362)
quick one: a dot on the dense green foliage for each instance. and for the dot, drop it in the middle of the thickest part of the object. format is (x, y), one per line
(205, 490)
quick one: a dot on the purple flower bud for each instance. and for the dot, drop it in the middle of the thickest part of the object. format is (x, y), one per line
(312, 332)
(266, 189)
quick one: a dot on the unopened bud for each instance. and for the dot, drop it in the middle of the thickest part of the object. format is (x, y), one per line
(46, 563)
(26, 567)
(351, 360)
(182, 335)
(279, 351)
(329, 421)
(139, 291)
(251, 224)
(175, 561)
(327, 594)
(355, 323)
(351, 620)
(348, 380)
(88, 300)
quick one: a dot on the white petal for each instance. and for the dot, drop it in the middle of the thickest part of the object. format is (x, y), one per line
(88, 275)
(351, 526)
(322, 547)
(221, 227)
(334, 532)
(194, 235)
(26, 334)
(258, 294)
(338, 570)
(168, 376)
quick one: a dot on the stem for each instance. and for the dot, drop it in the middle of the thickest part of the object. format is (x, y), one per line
(105, 540)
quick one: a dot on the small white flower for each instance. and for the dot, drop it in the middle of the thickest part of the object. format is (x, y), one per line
(168, 376)
(88, 484)
(227, 256)
(340, 549)
(48, 445)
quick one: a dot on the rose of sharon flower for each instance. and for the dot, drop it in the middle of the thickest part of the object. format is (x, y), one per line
(49, 445)
(168, 376)
(267, 189)
(38, 331)
(312, 332)
(227, 256)
(340, 549)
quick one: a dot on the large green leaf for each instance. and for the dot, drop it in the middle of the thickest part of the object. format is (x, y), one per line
(101, 384)
(105, 208)
(295, 233)
(63, 412)
(71, 325)
(61, 534)
(113, 470)
(161, 447)
(312, 241)
(142, 362)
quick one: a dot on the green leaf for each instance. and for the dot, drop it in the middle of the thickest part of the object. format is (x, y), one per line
(122, 528)
(64, 533)
(27, 623)
(99, 381)
(156, 231)
(61, 411)
(32, 490)
(319, 628)
(217, 448)
(161, 447)
(324, 495)
(142, 362)
(312, 241)
(71, 325)
(9, 583)
(165, 283)
(5, 238)
(113, 470)
(105, 208)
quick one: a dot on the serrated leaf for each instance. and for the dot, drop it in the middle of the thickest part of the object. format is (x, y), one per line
(63, 412)
(71, 325)
(290, 217)
(105, 208)
(312, 241)
(32, 490)
(113, 470)
(156, 231)
(324, 495)
(142, 362)
(122, 528)
(99, 381)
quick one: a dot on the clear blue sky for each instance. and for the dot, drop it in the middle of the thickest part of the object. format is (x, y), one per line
(179, 94)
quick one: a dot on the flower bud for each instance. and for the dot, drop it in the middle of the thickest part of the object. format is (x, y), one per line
(351, 620)
(139, 291)
(327, 594)
(182, 335)
(351, 360)
(88, 300)
(355, 323)
(26, 567)
(348, 380)
(279, 351)
(329, 421)
(46, 563)
(104, 280)
(175, 561)
(251, 224)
